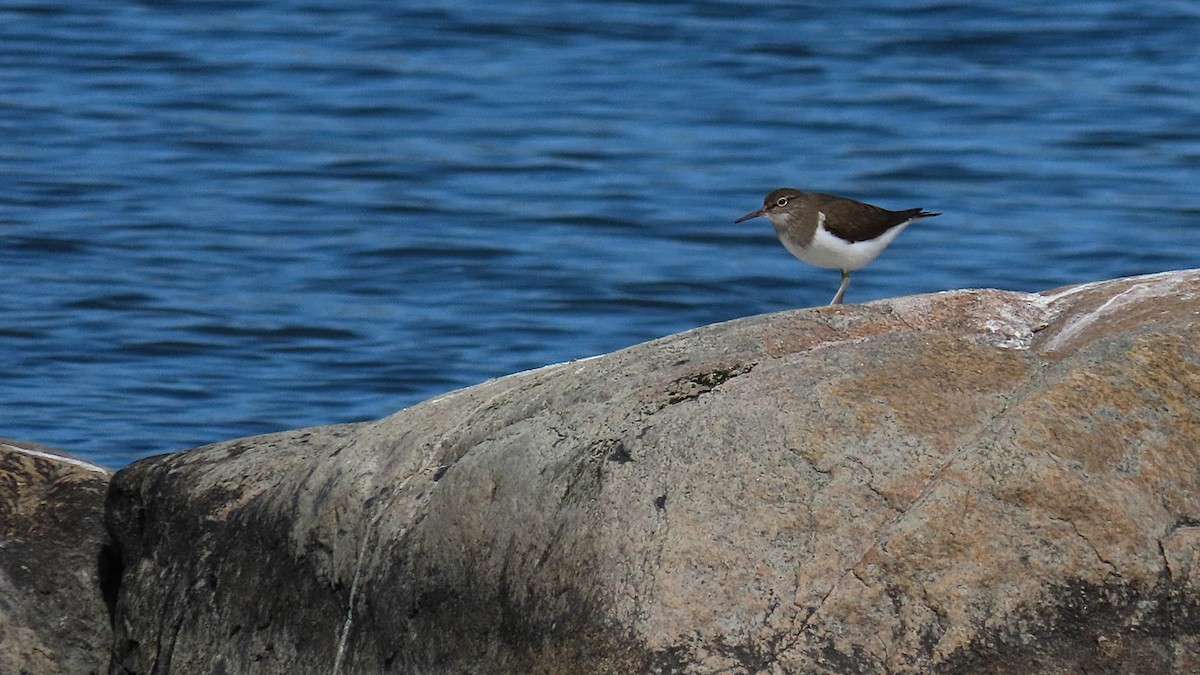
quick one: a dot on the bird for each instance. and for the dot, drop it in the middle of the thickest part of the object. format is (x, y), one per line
(833, 232)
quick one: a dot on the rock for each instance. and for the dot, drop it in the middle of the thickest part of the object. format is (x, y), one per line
(52, 616)
(965, 482)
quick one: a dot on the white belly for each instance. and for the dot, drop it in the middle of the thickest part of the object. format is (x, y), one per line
(826, 250)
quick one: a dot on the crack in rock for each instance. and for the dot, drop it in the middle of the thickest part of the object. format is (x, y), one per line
(930, 485)
(695, 386)
(1075, 528)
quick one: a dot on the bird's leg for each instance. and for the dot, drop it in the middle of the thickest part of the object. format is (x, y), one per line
(837, 299)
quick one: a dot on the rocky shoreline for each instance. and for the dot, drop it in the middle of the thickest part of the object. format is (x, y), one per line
(963, 482)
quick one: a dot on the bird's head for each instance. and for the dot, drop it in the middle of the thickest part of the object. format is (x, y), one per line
(777, 205)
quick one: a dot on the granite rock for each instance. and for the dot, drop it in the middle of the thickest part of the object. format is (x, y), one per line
(964, 482)
(52, 615)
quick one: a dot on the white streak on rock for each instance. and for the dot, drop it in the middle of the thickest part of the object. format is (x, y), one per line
(57, 458)
(1150, 286)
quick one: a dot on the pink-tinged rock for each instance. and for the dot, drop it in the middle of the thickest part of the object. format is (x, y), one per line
(965, 482)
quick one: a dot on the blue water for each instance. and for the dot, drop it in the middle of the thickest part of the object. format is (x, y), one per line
(225, 218)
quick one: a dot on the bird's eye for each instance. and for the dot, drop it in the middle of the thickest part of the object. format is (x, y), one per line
(782, 201)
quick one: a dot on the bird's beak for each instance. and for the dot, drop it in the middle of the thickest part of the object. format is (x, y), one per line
(752, 214)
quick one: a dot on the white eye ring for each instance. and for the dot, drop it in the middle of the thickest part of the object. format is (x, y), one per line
(782, 201)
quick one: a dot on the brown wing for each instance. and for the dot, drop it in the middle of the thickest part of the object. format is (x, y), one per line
(856, 221)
